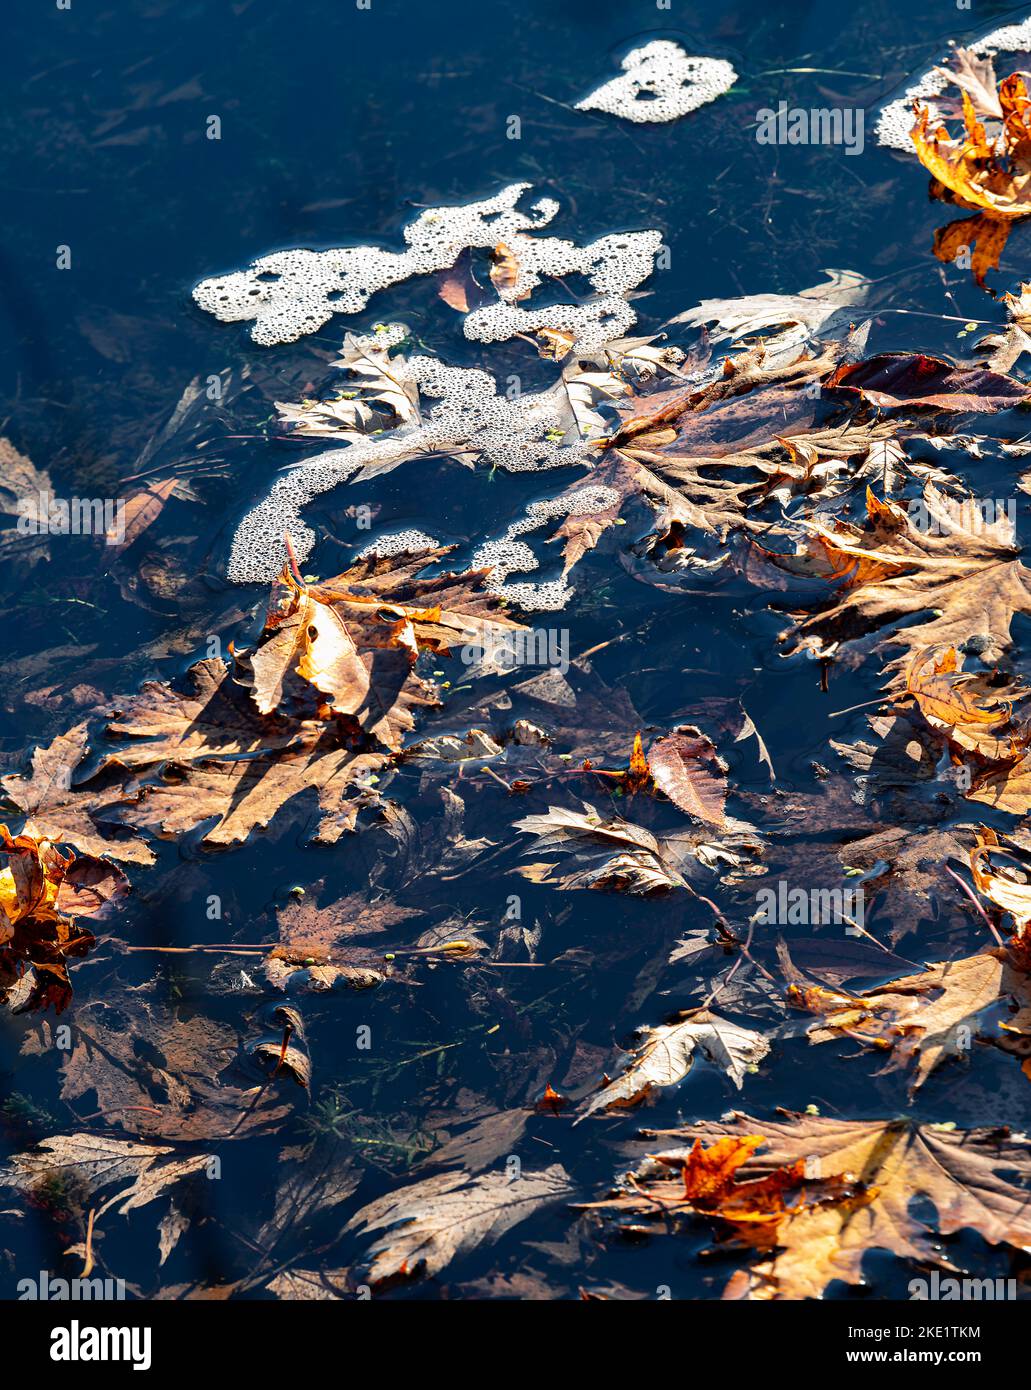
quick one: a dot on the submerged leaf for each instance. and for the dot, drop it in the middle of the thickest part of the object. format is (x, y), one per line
(430, 1223)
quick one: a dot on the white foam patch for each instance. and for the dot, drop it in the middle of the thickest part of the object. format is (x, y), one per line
(532, 432)
(660, 82)
(391, 543)
(510, 555)
(291, 293)
(896, 119)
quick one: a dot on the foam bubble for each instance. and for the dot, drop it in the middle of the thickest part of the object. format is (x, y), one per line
(660, 82)
(472, 420)
(391, 543)
(291, 293)
(510, 555)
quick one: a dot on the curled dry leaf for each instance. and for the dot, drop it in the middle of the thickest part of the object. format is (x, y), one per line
(665, 1054)
(1007, 887)
(286, 1053)
(990, 176)
(308, 638)
(829, 1190)
(981, 173)
(965, 575)
(606, 853)
(959, 702)
(932, 1015)
(504, 271)
(43, 894)
(1005, 784)
(974, 74)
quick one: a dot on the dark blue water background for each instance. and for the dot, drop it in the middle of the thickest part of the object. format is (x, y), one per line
(337, 126)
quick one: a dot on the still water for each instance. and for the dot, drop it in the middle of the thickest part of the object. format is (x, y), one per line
(337, 126)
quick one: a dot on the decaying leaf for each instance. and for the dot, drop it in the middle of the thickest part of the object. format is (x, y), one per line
(311, 1285)
(607, 854)
(581, 530)
(375, 398)
(894, 380)
(932, 1015)
(86, 1165)
(186, 1087)
(97, 1162)
(686, 766)
(664, 1057)
(87, 817)
(382, 699)
(824, 311)
(311, 925)
(429, 1224)
(820, 1193)
(43, 896)
(1005, 348)
(964, 574)
(333, 671)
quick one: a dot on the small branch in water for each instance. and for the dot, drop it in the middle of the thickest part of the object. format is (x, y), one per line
(884, 699)
(287, 1034)
(118, 1110)
(87, 1259)
(214, 950)
(988, 920)
(264, 951)
(863, 932)
(292, 557)
(500, 780)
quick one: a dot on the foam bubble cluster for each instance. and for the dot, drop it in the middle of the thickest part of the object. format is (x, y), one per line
(660, 82)
(613, 266)
(391, 543)
(510, 555)
(291, 293)
(896, 119)
(472, 420)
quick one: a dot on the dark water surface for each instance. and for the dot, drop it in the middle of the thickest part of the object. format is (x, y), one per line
(337, 126)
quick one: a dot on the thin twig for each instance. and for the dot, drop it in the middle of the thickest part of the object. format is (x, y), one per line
(970, 895)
